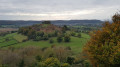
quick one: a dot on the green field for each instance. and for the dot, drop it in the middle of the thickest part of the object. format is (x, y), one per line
(19, 37)
(16, 41)
(7, 40)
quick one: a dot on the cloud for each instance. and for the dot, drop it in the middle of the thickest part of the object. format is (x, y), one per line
(57, 9)
(69, 13)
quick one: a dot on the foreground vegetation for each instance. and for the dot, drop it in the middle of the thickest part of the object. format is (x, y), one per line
(41, 57)
(103, 49)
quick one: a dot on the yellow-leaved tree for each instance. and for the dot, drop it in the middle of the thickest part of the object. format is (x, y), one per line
(103, 49)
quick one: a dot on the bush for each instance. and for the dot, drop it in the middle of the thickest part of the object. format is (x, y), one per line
(53, 46)
(38, 38)
(48, 53)
(21, 64)
(64, 28)
(50, 35)
(51, 41)
(73, 34)
(59, 39)
(50, 62)
(13, 31)
(70, 60)
(65, 65)
(61, 53)
(45, 37)
(38, 58)
(67, 38)
(56, 33)
(79, 35)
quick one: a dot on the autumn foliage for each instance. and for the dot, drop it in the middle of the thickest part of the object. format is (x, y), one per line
(103, 49)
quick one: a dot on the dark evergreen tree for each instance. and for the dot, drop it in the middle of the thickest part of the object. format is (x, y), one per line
(67, 38)
(59, 39)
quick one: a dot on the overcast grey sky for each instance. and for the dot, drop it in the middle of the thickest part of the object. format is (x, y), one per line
(57, 9)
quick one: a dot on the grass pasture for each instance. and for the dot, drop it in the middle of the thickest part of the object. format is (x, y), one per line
(76, 43)
(19, 37)
(7, 40)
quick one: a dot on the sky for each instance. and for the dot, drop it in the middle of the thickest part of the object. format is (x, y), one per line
(58, 9)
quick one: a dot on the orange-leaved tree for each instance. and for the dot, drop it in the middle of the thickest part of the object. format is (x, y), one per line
(103, 49)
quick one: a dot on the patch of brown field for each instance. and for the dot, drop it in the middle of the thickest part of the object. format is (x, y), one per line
(7, 29)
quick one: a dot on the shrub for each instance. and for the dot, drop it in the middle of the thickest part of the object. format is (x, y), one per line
(64, 28)
(55, 33)
(7, 58)
(65, 65)
(51, 41)
(45, 37)
(73, 34)
(48, 53)
(79, 35)
(38, 38)
(51, 62)
(40, 34)
(70, 60)
(53, 46)
(50, 35)
(59, 39)
(67, 38)
(61, 53)
(38, 58)
(21, 63)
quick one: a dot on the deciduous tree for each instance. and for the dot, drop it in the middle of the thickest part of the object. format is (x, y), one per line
(103, 49)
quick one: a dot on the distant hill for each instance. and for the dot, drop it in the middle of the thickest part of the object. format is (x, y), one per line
(56, 22)
(41, 31)
(77, 22)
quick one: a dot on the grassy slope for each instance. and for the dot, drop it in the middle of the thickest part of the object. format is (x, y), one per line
(11, 41)
(19, 37)
(76, 43)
